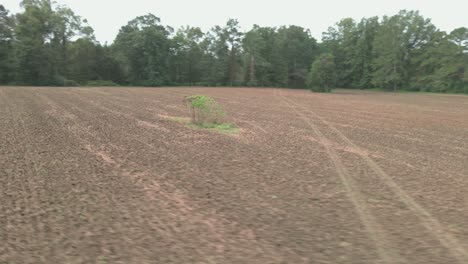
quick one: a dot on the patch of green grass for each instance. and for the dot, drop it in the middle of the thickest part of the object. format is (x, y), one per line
(225, 128)
(222, 128)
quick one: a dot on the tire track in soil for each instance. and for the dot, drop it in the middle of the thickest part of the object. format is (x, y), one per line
(115, 114)
(376, 233)
(445, 140)
(428, 221)
(216, 227)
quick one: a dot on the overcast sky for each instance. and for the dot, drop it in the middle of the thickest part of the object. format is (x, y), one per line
(107, 16)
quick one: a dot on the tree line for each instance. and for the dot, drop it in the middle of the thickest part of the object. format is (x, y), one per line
(48, 44)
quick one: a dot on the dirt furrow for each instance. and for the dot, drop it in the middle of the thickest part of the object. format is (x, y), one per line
(104, 175)
(378, 235)
(431, 223)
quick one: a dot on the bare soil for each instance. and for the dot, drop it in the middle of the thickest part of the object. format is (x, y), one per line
(101, 175)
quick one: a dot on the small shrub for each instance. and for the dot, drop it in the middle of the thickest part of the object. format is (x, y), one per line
(70, 83)
(204, 110)
(59, 80)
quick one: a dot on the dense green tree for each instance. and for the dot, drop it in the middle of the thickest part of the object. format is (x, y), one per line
(296, 49)
(352, 46)
(342, 42)
(34, 34)
(234, 39)
(459, 78)
(445, 63)
(388, 54)
(224, 45)
(6, 46)
(252, 44)
(187, 55)
(404, 51)
(108, 68)
(143, 48)
(66, 26)
(43, 33)
(362, 53)
(258, 56)
(47, 44)
(89, 61)
(322, 75)
(400, 40)
(83, 64)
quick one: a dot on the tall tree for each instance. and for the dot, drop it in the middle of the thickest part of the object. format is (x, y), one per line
(341, 41)
(445, 62)
(234, 39)
(362, 53)
(258, 55)
(66, 25)
(89, 61)
(322, 75)
(143, 48)
(48, 44)
(187, 54)
(295, 49)
(225, 47)
(43, 33)
(399, 41)
(6, 46)
(33, 33)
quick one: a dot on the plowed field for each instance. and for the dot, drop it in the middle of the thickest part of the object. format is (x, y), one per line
(105, 175)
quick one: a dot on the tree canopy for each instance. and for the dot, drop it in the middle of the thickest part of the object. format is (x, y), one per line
(48, 44)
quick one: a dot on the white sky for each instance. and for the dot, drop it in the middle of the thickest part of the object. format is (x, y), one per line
(107, 16)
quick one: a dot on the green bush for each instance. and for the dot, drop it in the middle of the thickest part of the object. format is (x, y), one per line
(322, 75)
(59, 80)
(204, 110)
(70, 83)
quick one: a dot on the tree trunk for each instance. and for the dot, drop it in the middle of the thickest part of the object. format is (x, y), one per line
(64, 64)
(190, 79)
(232, 69)
(252, 69)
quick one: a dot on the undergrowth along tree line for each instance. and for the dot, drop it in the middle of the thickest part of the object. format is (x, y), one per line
(48, 44)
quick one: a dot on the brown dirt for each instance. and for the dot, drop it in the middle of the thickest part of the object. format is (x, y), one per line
(102, 175)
